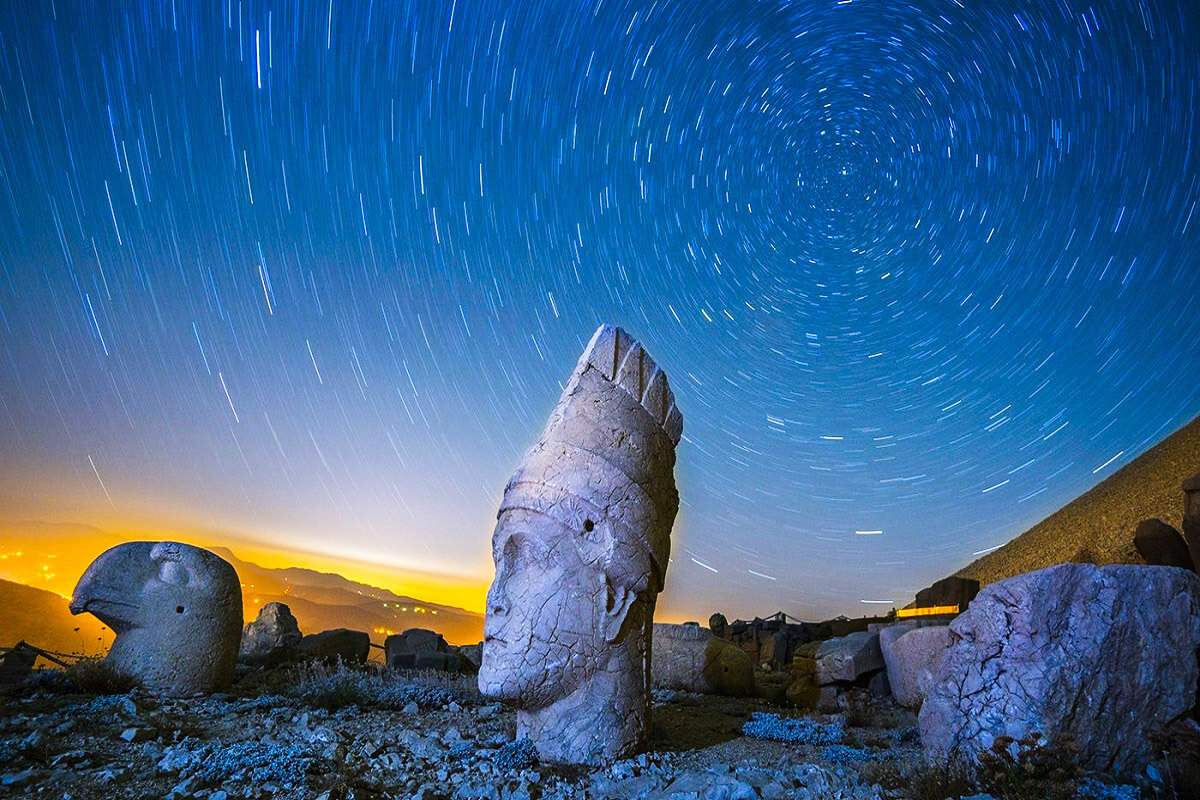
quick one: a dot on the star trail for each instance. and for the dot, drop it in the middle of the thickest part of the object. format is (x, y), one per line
(919, 272)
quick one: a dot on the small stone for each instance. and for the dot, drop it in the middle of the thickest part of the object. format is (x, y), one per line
(17, 779)
(411, 708)
(137, 735)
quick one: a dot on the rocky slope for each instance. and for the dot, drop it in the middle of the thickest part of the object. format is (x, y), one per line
(1098, 526)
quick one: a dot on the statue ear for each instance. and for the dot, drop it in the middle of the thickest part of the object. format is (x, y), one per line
(616, 610)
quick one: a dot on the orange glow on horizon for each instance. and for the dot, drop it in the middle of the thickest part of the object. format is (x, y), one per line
(26, 558)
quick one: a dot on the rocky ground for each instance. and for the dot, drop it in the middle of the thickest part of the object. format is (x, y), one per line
(313, 733)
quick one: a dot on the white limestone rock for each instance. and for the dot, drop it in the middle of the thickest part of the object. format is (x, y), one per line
(1107, 655)
(912, 655)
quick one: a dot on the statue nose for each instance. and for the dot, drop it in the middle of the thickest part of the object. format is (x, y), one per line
(497, 604)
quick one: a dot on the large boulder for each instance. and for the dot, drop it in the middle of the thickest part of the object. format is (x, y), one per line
(1191, 517)
(1104, 655)
(952, 591)
(820, 670)
(849, 657)
(272, 638)
(912, 655)
(1161, 545)
(690, 658)
(339, 644)
(418, 648)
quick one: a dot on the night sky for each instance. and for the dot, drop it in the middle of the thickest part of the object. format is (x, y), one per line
(314, 273)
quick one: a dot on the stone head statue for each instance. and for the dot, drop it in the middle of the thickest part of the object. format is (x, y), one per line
(581, 547)
(176, 611)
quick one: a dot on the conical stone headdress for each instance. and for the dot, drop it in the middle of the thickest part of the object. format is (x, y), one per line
(604, 467)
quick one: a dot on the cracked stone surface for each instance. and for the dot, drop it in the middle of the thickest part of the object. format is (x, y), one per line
(912, 655)
(1107, 655)
(581, 546)
(176, 611)
(692, 659)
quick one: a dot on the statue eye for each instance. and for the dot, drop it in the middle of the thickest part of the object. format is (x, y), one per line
(588, 525)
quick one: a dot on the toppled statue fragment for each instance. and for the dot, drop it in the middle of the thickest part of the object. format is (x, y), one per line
(581, 547)
(176, 611)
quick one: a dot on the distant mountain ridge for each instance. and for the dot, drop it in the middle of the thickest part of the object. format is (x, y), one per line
(324, 600)
(1098, 525)
(42, 619)
(319, 600)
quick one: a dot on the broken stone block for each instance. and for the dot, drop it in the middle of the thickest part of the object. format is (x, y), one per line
(847, 658)
(912, 655)
(1161, 545)
(952, 591)
(347, 646)
(692, 659)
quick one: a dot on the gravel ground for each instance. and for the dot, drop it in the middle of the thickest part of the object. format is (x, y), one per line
(280, 746)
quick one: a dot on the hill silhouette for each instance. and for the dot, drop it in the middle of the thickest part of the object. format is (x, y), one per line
(42, 619)
(1098, 525)
(55, 554)
(324, 600)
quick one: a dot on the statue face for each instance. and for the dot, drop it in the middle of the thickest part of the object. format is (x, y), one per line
(548, 613)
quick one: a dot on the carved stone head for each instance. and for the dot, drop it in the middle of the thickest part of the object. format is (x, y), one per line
(581, 547)
(176, 611)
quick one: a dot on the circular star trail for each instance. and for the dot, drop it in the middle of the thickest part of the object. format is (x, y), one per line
(919, 272)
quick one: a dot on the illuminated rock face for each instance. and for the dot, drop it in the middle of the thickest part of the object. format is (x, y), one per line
(912, 655)
(1105, 655)
(272, 638)
(176, 610)
(581, 546)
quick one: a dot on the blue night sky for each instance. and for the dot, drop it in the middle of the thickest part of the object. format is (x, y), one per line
(314, 273)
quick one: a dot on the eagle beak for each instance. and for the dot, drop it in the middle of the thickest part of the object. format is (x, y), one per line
(111, 587)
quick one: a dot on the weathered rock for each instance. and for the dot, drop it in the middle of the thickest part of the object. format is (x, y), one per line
(847, 658)
(1105, 655)
(1161, 545)
(718, 624)
(692, 659)
(176, 611)
(17, 663)
(418, 648)
(912, 655)
(952, 591)
(272, 638)
(773, 650)
(1191, 518)
(581, 549)
(339, 644)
